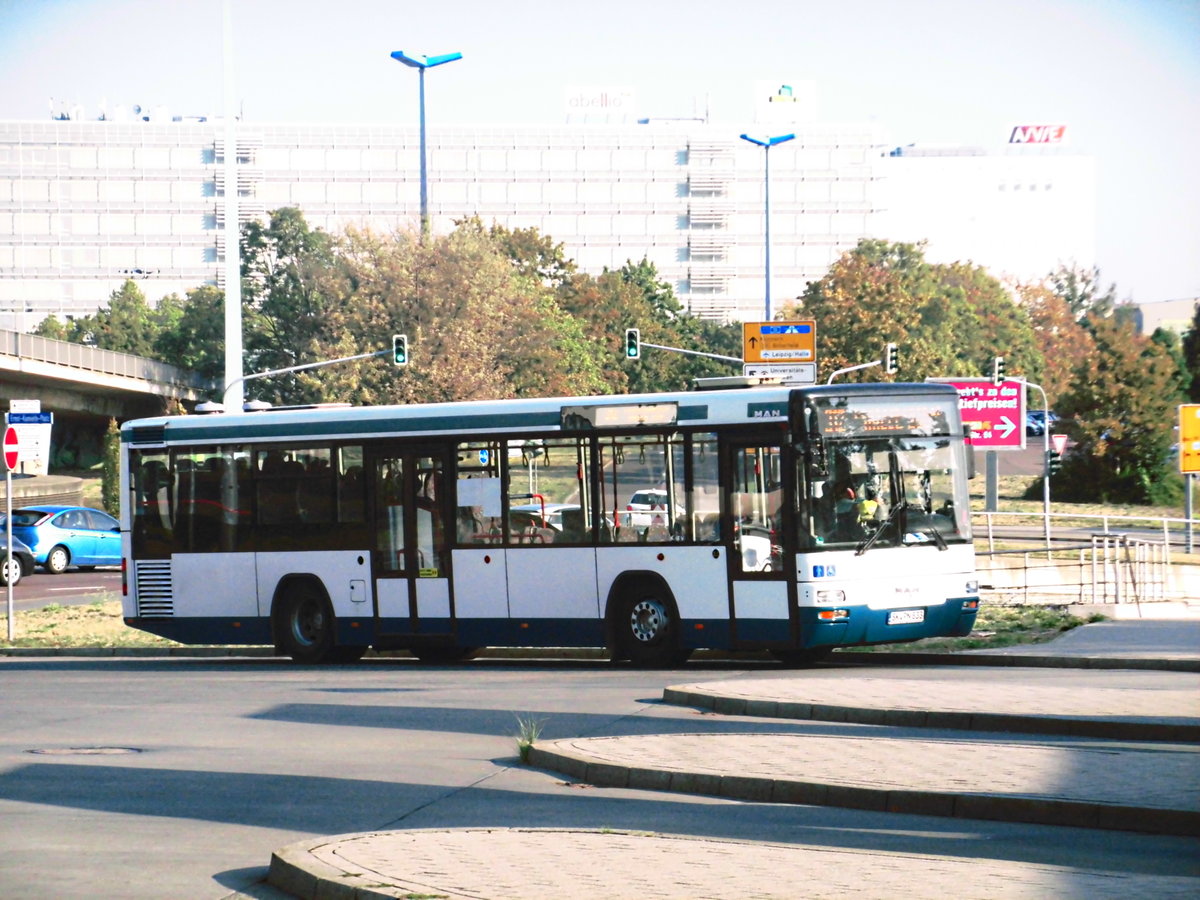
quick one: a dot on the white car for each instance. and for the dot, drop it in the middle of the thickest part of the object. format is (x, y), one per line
(654, 501)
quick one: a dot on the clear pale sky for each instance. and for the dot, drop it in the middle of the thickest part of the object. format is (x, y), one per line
(1123, 75)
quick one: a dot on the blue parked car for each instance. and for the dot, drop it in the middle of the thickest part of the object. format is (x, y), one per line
(22, 562)
(62, 536)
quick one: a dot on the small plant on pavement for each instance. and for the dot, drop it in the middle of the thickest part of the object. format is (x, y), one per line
(529, 730)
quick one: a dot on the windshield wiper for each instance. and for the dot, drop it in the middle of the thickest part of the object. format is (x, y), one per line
(938, 539)
(870, 542)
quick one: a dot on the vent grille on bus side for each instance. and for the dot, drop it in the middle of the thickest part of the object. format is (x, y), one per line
(155, 599)
(148, 434)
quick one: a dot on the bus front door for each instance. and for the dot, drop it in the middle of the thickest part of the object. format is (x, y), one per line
(411, 559)
(756, 486)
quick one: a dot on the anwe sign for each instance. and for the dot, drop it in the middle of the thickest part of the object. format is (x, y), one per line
(995, 412)
(1038, 134)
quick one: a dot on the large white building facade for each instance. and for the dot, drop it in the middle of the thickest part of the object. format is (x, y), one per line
(85, 205)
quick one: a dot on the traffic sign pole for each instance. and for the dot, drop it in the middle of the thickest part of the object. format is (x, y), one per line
(11, 458)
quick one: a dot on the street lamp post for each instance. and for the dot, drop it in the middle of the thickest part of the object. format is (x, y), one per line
(767, 144)
(421, 63)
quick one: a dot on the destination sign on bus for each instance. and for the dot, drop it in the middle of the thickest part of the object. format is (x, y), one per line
(881, 417)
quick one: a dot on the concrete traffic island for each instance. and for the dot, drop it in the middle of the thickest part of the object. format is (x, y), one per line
(590, 864)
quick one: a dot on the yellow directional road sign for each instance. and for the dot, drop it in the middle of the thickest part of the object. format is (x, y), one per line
(1189, 438)
(779, 342)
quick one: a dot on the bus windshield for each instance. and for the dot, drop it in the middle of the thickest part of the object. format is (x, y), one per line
(882, 471)
(888, 492)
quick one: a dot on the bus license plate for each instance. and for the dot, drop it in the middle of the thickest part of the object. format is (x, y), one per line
(905, 616)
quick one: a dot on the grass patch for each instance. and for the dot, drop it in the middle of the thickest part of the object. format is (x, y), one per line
(995, 627)
(98, 624)
(529, 730)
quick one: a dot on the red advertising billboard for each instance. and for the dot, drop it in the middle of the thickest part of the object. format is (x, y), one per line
(995, 412)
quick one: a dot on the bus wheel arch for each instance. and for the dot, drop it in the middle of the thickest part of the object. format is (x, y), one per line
(302, 620)
(642, 621)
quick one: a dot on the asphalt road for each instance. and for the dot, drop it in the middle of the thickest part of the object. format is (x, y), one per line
(72, 587)
(151, 778)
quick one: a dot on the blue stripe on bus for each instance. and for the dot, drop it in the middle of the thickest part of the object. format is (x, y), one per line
(366, 421)
(864, 626)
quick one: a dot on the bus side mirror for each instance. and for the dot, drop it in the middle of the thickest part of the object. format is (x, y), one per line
(970, 451)
(816, 457)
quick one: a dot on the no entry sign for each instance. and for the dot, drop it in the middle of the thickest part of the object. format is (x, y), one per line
(12, 452)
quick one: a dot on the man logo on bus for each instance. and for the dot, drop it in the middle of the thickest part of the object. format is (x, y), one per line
(824, 571)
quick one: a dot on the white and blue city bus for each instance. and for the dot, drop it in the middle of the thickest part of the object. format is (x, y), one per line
(793, 520)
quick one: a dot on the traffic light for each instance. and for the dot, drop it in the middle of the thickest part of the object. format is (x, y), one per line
(1053, 461)
(997, 370)
(400, 349)
(891, 358)
(633, 343)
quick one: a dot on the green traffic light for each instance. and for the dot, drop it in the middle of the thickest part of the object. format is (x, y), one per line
(400, 349)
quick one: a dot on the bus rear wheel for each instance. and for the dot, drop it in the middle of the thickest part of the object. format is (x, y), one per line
(304, 625)
(649, 629)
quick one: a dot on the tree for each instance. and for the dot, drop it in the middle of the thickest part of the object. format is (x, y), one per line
(1063, 342)
(1191, 356)
(195, 336)
(127, 324)
(51, 328)
(948, 320)
(290, 282)
(1082, 291)
(1121, 406)
(110, 485)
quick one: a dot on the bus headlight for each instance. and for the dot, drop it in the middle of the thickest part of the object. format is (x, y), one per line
(972, 587)
(828, 598)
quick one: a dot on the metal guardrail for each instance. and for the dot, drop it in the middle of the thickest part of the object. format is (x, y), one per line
(1182, 529)
(1109, 569)
(91, 359)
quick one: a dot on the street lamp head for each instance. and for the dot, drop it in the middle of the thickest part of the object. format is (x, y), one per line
(767, 142)
(417, 61)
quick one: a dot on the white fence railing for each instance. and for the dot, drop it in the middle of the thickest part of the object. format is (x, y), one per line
(91, 359)
(1016, 526)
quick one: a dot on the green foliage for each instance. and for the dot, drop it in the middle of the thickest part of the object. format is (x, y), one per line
(495, 312)
(1082, 291)
(192, 332)
(110, 490)
(1191, 356)
(1121, 406)
(948, 320)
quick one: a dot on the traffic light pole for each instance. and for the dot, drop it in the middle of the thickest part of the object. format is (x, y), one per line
(1045, 459)
(732, 359)
(835, 374)
(315, 365)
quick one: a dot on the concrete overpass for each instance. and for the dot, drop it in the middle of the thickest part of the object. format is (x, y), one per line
(85, 387)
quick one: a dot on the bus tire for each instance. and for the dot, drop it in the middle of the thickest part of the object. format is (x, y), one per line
(304, 624)
(647, 626)
(802, 659)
